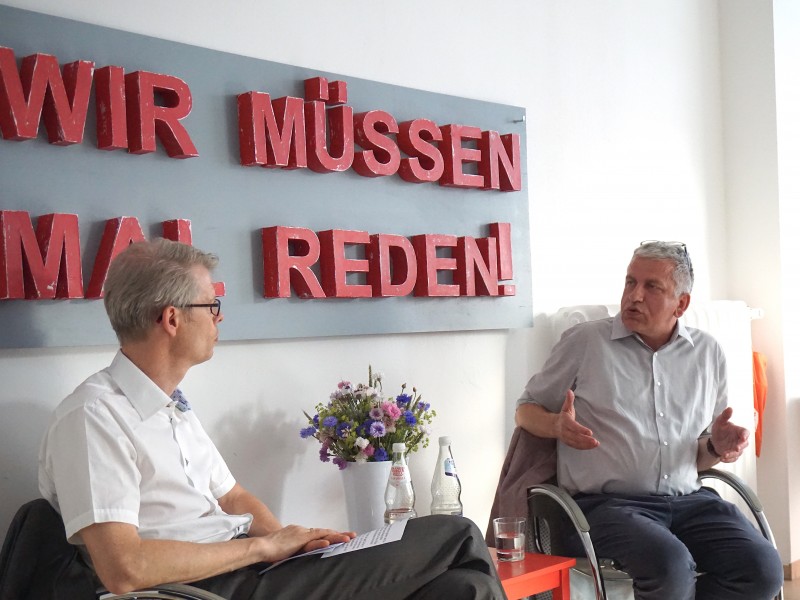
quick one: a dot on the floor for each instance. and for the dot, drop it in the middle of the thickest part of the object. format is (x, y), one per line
(791, 590)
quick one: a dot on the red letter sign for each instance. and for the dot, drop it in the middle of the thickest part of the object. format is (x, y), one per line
(334, 265)
(118, 235)
(24, 97)
(146, 118)
(429, 265)
(283, 269)
(49, 263)
(392, 265)
(271, 134)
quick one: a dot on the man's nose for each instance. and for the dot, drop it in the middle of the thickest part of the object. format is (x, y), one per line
(637, 293)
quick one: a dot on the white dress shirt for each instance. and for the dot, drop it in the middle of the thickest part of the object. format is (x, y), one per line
(118, 450)
(646, 408)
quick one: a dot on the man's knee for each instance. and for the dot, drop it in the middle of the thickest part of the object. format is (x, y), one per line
(664, 570)
(765, 574)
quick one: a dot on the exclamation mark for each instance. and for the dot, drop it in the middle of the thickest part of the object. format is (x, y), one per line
(505, 269)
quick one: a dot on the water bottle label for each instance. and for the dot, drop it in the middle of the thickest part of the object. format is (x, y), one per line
(450, 467)
(398, 475)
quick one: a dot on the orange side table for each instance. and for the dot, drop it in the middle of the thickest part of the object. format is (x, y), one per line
(535, 573)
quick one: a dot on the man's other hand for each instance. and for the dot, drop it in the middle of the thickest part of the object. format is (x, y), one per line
(729, 440)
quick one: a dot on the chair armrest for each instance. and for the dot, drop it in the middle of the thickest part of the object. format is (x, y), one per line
(747, 494)
(167, 591)
(564, 501)
(744, 490)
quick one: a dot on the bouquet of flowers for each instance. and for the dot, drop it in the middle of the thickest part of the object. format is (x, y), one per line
(359, 424)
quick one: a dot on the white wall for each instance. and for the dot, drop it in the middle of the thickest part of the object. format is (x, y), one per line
(624, 144)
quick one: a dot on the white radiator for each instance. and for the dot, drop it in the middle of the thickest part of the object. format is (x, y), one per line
(729, 322)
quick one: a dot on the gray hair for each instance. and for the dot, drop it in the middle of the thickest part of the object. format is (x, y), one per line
(682, 274)
(147, 277)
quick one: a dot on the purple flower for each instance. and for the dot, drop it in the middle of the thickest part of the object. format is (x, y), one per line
(364, 429)
(403, 400)
(410, 418)
(340, 462)
(323, 454)
(343, 429)
(316, 420)
(380, 455)
(424, 406)
(377, 429)
(376, 413)
(307, 432)
(329, 421)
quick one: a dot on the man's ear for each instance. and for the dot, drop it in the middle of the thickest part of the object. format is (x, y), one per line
(683, 304)
(169, 320)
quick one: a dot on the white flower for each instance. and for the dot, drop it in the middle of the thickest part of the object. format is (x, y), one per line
(377, 376)
(361, 458)
(361, 442)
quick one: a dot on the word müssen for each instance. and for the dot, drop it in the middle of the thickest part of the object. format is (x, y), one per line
(45, 263)
(135, 109)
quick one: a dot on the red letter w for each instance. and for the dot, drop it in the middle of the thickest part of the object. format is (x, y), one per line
(39, 87)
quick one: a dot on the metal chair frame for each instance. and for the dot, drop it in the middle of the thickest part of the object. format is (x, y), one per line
(561, 504)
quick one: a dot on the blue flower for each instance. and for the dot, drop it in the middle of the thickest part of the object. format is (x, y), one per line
(380, 455)
(364, 429)
(410, 418)
(316, 420)
(343, 429)
(329, 421)
(307, 432)
(402, 400)
(377, 429)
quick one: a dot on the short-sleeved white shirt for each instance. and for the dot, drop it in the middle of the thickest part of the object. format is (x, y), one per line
(118, 450)
(646, 408)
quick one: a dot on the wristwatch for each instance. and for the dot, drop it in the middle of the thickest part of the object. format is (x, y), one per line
(710, 447)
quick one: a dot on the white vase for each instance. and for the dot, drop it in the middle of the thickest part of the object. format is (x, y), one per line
(364, 487)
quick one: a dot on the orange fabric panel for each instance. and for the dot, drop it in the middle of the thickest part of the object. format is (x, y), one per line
(759, 395)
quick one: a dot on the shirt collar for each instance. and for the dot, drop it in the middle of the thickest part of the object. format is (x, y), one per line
(619, 331)
(143, 394)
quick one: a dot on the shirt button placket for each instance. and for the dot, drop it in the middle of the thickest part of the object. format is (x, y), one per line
(661, 426)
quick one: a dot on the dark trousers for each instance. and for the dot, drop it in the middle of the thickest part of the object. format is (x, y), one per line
(663, 541)
(440, 557)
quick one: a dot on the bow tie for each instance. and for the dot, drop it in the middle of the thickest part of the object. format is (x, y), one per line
(181, 403)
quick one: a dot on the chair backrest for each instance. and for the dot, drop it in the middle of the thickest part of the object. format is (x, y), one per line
(37, 562)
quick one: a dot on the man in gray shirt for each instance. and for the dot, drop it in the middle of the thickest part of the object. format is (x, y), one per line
(645, 410)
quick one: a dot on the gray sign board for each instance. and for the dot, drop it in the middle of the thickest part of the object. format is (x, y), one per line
(229, 204)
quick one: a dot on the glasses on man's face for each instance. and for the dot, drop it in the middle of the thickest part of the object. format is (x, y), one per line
(215, 306)
(680, 245)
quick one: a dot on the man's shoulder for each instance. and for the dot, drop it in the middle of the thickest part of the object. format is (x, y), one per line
(91, 394)
(586, 329)
(703, 340)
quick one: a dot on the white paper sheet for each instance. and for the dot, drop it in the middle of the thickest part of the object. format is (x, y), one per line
(383, 535)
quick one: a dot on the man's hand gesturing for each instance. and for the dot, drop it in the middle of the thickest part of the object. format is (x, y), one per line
(569, 431)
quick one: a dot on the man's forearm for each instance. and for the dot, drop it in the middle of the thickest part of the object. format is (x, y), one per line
(239, 501)
(124, 562)
(537, 420)
(705, 460)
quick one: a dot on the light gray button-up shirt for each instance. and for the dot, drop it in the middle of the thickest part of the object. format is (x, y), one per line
(646, 408)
